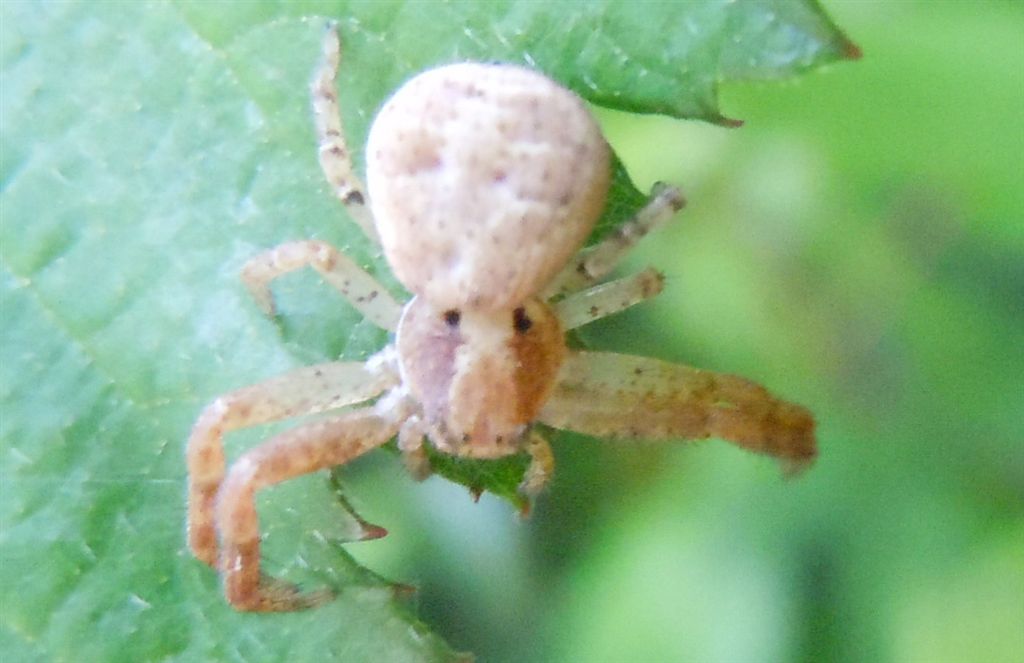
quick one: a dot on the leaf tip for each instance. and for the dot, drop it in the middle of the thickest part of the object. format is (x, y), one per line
(851, 51)
(371, 532)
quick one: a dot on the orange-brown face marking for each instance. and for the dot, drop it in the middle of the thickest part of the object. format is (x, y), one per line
(539, 348)
(481, 377)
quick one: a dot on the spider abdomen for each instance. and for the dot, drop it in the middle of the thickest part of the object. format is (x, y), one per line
(484, 180)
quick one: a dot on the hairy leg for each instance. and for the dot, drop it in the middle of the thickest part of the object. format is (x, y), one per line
(304, 391)
(335, 158)
(308, 448)
(363, 291)
(580, 308)
(595, 262)
(621, 396)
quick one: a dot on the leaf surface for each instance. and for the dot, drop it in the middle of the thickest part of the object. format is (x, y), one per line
(147, 150)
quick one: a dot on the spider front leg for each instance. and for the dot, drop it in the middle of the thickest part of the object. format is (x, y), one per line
(363, 291)
(314, 446)
(622, 396)
(595, 262)
(335, 157)
(300, 392)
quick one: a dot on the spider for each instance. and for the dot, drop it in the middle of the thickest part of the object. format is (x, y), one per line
(483, 182)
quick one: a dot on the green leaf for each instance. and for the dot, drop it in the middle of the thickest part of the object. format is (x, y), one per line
(665, 58)
(147, 150)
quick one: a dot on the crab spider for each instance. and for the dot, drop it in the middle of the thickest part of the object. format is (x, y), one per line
(483, 183)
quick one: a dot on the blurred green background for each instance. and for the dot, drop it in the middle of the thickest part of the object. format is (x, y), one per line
(858, 245)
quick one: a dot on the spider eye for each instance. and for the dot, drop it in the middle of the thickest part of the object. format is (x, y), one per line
(452, 317)
(521, 323)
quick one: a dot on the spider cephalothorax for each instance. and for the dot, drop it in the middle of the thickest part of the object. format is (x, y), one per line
(484, 181)
(481, 377)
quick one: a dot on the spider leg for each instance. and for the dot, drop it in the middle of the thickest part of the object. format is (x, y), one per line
(595, 262)
(541, 468)
(302, 450)
(300, 392)
(581, 308)
(335, 158)
(621, 396)
(363, 291)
